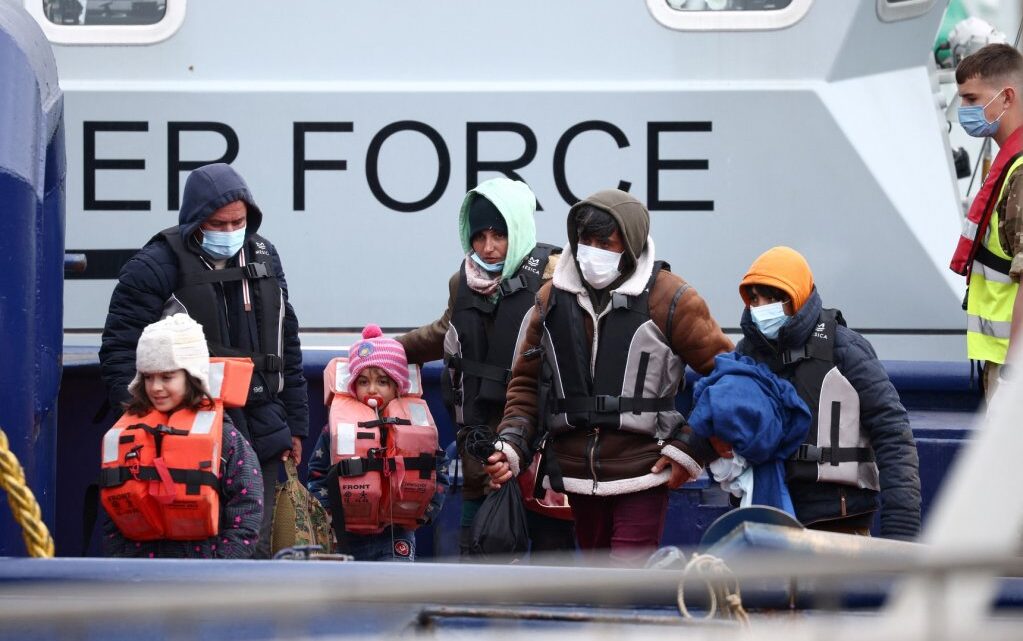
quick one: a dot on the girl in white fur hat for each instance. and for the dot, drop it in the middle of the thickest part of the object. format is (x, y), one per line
(172, 373)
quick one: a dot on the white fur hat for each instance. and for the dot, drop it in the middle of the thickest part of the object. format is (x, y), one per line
(176, 342)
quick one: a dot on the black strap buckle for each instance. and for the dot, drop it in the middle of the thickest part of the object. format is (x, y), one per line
(790, 356)
(352, 467)
(512, 285)
(809, 452)
(606, 404)
(273, 363)
(256, 270)
(620, 301)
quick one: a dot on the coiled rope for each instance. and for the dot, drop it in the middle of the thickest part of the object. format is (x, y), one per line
(23, 503)
(722, 587)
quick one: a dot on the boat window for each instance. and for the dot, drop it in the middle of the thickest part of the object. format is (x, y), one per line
(105, 12)
(728, 5)
(107, 21)
(892, 10)
(727, 15)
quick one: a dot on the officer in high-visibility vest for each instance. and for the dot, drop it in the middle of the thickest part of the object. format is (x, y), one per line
(990, 81)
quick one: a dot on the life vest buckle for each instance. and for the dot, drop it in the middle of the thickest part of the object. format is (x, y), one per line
(256, 270)
(354, 466)
(791, 356)
(607, 404)
(131, 461)
(809, 452)
(512, 285)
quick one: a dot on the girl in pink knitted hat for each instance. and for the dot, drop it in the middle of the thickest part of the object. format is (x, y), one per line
(378, 373)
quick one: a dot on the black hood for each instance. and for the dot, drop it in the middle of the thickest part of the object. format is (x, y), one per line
(209, 188)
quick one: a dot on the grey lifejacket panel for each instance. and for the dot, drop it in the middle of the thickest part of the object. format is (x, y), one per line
(628, 383)
(197, 295)
(483, 338)
(837, 450)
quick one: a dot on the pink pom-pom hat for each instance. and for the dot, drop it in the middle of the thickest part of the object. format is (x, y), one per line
(375, 350)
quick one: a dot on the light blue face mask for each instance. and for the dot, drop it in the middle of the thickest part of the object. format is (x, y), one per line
(493, 269)
(223, 244)
(769, 319)
(975, 123)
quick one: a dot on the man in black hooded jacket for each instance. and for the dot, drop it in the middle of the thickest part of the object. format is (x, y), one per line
(214, 267)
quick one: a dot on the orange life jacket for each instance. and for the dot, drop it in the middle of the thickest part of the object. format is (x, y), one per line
(160, 474)
(386, 463)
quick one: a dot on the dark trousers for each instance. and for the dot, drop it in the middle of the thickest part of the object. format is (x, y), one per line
(269, 472)
(628, 525)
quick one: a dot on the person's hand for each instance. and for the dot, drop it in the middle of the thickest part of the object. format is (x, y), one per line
(295, 453)
(498, 468)
(679, 475)
(723, 449)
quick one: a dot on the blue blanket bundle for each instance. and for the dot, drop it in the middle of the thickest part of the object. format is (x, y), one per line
(760, 415)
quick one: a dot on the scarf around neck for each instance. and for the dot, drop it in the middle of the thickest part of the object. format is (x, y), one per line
(480, 280)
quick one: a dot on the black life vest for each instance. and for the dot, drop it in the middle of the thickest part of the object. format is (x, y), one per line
(482, 338)
(836, 449)
(635, 372)
(197, 293)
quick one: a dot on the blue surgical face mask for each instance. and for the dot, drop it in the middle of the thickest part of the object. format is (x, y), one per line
(492, 268)
(223, 244)
(975, 123)
(769, 319)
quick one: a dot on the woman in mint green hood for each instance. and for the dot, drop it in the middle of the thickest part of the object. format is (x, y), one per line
(478, 335)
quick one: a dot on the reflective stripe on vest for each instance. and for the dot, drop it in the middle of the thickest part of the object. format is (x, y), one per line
(992, 293)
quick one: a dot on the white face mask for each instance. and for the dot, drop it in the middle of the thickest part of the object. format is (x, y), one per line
(599, 266)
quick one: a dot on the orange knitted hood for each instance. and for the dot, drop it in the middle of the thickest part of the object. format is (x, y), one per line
(784, 268)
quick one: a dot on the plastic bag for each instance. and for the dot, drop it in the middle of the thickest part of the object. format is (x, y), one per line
(499, 531)
(298, 518)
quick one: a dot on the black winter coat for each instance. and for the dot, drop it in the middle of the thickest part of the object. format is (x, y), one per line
(881, 415)
(143, 294)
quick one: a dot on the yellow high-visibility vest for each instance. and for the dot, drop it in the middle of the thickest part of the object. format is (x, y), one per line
(992, 293)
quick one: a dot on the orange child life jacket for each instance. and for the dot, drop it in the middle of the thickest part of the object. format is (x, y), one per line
(160, 474)
(385, 464)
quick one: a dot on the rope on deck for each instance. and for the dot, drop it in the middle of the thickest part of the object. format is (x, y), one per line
(23, 503)
(722, 588)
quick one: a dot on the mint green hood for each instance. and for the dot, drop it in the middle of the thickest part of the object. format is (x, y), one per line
(517, 203)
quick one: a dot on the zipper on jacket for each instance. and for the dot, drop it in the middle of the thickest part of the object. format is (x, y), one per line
(845, 510)
(596, 339)
(593, 456)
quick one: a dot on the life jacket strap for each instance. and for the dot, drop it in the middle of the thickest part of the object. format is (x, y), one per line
(249, 271)
(425, 464)
(478, 369)
(833, 455)
(987, 258)
(359, 466)
(604, 404)
(191, 479)
(387, 420)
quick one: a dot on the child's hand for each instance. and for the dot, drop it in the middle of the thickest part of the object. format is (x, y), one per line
(498, 469)
(295, 453)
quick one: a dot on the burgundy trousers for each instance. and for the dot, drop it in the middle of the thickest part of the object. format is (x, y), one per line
(629, 525)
